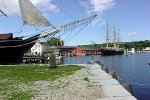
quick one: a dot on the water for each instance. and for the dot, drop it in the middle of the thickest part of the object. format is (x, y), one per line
(131, 68)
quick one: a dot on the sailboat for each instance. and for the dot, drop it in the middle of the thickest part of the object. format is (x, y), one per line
(12, 49)
(109, 51)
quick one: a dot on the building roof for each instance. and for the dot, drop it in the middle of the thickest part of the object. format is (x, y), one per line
(66, 47)
(84, 48)
(6, 36)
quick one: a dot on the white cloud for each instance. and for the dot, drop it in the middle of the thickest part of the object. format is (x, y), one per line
(97, 6)
(132, 33)
(101, 5)
(13, 6)
(46, 5)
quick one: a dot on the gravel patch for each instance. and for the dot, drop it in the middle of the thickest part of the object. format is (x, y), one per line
(73, 87)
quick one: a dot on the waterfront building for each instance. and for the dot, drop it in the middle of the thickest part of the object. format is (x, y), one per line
(146, 49)
(132, 51)
(65, 50)
(85, 51)
(39, 48)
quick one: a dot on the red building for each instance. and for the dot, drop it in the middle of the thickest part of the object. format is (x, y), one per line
(78, 52)
(84, 51)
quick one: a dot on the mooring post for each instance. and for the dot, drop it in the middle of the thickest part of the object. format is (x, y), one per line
(52, 61)
(92, 59)
(113, 74)
(128, 87)
(106, 69)
(98, 62)
(102, 66)
(89, 63)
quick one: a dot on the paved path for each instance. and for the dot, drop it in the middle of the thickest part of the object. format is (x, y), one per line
(110, 87)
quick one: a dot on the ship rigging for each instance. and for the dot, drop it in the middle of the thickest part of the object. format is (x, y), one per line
(12, 48)
(115, 50)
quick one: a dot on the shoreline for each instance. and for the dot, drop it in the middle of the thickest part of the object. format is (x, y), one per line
(88, 83)
(111, 88)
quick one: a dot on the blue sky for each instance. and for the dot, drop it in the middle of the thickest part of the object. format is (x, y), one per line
(132, 17)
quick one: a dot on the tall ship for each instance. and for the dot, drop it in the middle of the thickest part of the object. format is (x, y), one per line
(115, 50)
(12, 49)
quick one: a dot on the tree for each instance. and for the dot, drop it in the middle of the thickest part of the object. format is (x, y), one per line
(138, 45)
(55, 41)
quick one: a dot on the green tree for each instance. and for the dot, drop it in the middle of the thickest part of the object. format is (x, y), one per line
(138, 45)
(55, 41)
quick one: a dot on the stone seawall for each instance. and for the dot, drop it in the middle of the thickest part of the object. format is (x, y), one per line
(110, 87)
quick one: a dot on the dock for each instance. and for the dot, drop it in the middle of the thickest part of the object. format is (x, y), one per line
(111, 88)
(34, 59)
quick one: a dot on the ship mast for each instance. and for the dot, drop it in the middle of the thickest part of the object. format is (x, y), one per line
(114, 36)
(118, 39)
(107, 36)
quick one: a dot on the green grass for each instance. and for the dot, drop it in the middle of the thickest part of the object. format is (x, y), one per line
(86, 79)
(12, 76)
(20, 96)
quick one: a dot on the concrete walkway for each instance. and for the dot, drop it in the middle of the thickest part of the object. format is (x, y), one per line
(111, 88)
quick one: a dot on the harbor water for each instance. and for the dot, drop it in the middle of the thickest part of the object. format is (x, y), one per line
(132, 69)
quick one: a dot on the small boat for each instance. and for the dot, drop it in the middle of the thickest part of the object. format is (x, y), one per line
(58, 57)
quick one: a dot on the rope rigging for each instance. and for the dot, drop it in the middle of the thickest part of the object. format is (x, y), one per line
(21, 27)
(11, 11)
(78, 31)
(2, 10)
(63, 10)
(70, 26)
(45, 35)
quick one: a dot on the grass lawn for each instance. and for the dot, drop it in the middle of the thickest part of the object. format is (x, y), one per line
(12, 76)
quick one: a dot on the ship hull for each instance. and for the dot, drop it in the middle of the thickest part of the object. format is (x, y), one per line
(12, 51)
(110, 52)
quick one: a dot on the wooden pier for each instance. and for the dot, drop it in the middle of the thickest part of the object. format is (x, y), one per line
(30, 59)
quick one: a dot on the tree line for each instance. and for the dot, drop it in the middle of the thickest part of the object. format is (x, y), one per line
(138, 45)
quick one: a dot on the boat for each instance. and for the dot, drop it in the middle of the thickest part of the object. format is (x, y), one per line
(109, 51)
(12, 49)
(58, 57)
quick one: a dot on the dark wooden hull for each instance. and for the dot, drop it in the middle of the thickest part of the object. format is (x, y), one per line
(12, 51)
(110, 52)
